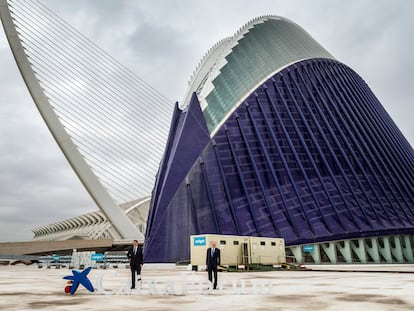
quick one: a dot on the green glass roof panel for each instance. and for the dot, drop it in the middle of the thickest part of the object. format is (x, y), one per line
(266, 48)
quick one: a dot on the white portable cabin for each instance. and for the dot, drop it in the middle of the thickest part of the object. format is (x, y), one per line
(238, 250)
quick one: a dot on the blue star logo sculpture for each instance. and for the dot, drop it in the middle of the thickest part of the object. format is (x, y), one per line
(77, 278)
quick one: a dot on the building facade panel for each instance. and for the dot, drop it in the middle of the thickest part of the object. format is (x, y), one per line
(301, 158)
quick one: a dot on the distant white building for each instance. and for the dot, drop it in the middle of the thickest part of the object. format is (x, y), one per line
(94, 225)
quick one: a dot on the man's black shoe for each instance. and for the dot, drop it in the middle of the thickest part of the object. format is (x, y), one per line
(132, 287)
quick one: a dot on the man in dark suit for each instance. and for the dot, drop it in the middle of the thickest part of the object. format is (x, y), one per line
(212, 262)
(136, 260)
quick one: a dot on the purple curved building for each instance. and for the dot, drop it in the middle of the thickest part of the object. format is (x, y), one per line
(276, 138)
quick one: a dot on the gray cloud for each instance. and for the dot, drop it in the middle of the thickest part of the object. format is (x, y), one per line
(162, 41)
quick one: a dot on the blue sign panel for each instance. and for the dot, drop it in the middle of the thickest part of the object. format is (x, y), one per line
(97, 257)
(56, 258)
(200, 241)
(308, 248)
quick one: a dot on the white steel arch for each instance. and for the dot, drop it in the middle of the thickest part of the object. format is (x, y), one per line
(107, 205)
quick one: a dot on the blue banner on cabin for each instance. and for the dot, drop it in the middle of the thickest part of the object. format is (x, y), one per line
(200, 241)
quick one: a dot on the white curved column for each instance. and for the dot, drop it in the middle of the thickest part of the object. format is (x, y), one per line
(120, 221)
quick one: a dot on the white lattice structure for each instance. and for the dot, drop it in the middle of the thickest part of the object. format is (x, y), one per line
(93, 225)
(385, 249)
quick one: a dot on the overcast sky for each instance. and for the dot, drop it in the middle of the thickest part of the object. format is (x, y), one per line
(162, 42)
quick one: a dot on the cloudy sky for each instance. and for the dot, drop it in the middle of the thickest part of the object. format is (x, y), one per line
(162, 42)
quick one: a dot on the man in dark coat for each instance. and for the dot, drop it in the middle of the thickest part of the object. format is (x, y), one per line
(212, 262)
(136, 260)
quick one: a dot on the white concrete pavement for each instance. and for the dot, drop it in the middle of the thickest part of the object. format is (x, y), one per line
(174, 288)
(408, 268)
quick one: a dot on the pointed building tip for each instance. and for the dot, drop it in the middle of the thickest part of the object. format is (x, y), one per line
(177, 108)
(194, 98)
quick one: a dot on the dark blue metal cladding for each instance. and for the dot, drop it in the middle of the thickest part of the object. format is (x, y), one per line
(187, 138)
(310, 156)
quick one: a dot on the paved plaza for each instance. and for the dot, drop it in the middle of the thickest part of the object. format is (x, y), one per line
(173, 288)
